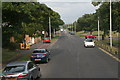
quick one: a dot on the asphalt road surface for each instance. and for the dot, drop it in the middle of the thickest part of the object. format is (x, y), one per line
(70, 59)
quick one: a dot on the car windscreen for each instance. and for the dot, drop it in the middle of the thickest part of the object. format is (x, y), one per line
(14, 69)
(89, 40)
(39, 51)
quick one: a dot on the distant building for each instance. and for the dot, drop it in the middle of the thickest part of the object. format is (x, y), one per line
(12, 39)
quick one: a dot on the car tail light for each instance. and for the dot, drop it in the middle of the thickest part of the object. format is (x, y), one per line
(1, 76)
(23, 75)
(31, 56)
(43, 55)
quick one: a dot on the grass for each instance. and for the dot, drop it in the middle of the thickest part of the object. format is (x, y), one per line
(25, 57)
(80, 32)
(54, 38)
(7, 55)
(82, 35)
(95, 33)
(106, 46)
(115, 42)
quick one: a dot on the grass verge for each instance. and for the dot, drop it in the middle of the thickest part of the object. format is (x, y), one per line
(8, 55)
(114, 41)
(103, 45)
(25, 57)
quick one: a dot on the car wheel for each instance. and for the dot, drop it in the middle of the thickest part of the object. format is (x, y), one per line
(49, 57)
(31, 78)
(39, 75)
(47, 60)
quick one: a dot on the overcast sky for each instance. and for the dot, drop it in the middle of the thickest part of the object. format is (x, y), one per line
(70, 10)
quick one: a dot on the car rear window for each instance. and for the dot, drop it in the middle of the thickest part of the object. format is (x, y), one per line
(89, 40)
(46, 38)
(14, 69)
(39, 51)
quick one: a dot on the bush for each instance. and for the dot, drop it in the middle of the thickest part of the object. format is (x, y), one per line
(13, 46)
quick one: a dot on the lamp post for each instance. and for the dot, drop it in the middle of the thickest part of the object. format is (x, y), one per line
(49, 28)
(54, 32)
(110, 26)
(72, 27)
(98, 29)
(75, 26)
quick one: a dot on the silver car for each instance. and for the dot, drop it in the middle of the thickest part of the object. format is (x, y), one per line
(21, 70)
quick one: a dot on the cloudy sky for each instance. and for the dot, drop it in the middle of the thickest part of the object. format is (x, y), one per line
(70, 10)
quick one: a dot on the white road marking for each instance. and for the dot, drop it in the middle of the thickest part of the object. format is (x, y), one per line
(117, 59)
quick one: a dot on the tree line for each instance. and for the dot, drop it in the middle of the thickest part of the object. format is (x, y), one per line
(89, 22)
(20, 18)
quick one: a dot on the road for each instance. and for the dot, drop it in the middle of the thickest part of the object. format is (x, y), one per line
(69, 59)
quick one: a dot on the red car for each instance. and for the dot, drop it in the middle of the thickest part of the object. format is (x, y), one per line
(46, 40)
(90, 36)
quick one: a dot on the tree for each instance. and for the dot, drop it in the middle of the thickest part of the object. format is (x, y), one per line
(20, 18)
(87, 23)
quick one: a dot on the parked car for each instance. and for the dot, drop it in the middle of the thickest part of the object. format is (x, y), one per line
(21, 70)
(2, 77)
(72, 33)
(46, 40)
(89, 43)
(40, 55)
(90, 36)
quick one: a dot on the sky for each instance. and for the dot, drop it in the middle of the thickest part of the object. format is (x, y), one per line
(70, 10)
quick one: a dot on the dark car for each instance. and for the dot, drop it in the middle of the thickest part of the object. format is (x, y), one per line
(40, 55)
(21, 70)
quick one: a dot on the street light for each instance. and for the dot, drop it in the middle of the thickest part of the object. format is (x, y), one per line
(98, 29)
(54, 32)
(110, 26)
(75, 25)
(50, 28)
(72, 27)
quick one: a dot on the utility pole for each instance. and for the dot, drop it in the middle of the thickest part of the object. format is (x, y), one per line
(98, 29)
(72, 27)
(110, 26)
(54, 32)
(50, 28)
(75, 26)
